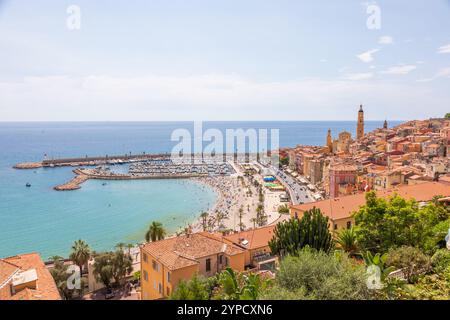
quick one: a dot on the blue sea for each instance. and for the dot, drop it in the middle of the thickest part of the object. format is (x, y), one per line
(39, 219)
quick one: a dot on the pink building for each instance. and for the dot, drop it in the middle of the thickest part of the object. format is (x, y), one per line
(341, 177)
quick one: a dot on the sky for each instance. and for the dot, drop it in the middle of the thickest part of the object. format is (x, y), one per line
(151, 60)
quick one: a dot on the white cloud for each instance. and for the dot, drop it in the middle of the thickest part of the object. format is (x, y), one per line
(443, 73)
(367, 56)
(358, 76)
(400, 70)
(386, 40)
(444, 49)
(208, 97)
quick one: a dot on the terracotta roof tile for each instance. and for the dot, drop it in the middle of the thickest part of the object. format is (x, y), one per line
(257, 238)
(46, 288)
(184, 251)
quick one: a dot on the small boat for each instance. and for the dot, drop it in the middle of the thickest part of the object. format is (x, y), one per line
(104, 184)
(28, 185)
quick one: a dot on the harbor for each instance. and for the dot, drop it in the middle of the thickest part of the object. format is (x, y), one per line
(144, 167)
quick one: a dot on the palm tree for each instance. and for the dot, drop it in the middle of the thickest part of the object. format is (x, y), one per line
(220, 216)
(240, 287)
(130, 246)
(254, 220)
(348, 241)
(204, 217)
(80, 254)
(241, 214)
(155, 232)
(55, 259)
(120, 246)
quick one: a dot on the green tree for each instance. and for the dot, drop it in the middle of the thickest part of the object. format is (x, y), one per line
(394, 222)
(120, 246)
(311, 230)
(155, 232)
(103, 268)
(441, 261)
(283, 209)
(196, 288)
(122, 266)
(261, 217)
(234, 286)
(447, 116)
(316, 275)
(284, 161)
(129, 247)
(80, 254)
(137, 276)
(241, 214)
(61, 277)
(254, 221)
(347, 241)
(220, 216)
(204, 217)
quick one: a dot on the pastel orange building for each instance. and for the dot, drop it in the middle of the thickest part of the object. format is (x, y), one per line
(165, 263)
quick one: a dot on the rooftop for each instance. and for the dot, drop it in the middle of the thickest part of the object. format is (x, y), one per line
(183, 251)
(252, 239)
(22, 269)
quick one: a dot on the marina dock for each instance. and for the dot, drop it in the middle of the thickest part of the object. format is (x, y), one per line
(144, 166)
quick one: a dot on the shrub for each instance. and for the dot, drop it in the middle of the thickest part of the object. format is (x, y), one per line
(412, 261)
(311, 230)
(441, 261)
(319, 275)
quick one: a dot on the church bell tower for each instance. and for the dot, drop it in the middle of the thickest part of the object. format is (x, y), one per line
(329, 141)
(360, 127)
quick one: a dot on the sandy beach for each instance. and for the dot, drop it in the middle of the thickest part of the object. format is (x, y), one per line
(236, 193)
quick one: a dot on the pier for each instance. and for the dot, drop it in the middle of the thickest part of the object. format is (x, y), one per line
(82, 175)
(143, 166)
(125, 158)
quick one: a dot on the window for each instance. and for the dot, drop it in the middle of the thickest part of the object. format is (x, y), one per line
(145, 275)
(349, 224)
(208, 265)
(155, 265)
(168, 291)
(335, 226)
(145, 257)
(160, 288)
(220, 259)
(168, 276)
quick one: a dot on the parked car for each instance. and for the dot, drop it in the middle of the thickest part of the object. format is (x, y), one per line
(109, 294)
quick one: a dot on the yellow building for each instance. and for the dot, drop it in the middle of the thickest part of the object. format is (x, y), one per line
(165, 263)
(255, 242)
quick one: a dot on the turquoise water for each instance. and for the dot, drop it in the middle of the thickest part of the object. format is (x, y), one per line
(43, 220)
(39, 219)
